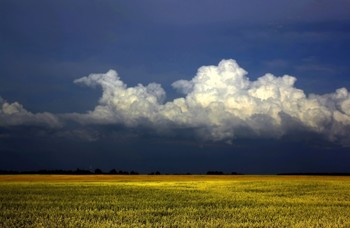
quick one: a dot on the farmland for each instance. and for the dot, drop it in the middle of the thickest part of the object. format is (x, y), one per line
(174, 201)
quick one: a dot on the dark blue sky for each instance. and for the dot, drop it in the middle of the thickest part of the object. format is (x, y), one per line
(46, 45)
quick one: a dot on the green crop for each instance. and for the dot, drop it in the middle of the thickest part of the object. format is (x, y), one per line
(264, 202)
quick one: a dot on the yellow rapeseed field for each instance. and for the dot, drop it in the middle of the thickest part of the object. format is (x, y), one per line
(174, 201)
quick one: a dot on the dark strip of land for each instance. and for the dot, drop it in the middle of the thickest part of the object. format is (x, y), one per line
(165, 178)
(315, 174)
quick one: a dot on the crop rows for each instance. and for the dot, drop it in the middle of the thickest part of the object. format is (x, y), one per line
(229, 203)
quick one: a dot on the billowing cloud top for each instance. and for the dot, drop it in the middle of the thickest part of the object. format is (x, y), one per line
(220, 104)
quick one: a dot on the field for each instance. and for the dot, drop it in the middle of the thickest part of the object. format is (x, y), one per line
(174, 201)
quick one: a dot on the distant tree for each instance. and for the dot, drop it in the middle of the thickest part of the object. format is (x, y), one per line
(133, 172)
(98, 171)
(154, 173)
(215, 173)
(8, 172)
(82, 171)
(122, 172)
(113, 171)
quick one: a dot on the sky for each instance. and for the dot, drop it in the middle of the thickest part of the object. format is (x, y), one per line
(175, 86)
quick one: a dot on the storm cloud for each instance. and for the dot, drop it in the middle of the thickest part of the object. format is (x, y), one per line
(14, 114)
(221, 103)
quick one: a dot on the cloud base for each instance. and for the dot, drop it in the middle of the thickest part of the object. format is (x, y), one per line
(220, 103)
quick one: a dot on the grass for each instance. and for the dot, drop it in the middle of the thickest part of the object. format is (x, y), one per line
(174, 201)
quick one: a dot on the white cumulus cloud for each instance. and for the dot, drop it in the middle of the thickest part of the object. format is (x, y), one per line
(122, 104)
(14, 114)
(221, 103)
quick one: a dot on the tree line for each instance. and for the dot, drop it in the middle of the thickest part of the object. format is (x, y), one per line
(73, 172)
(100, 171)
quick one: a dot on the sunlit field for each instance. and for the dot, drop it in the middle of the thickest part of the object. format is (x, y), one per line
(174, 201)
